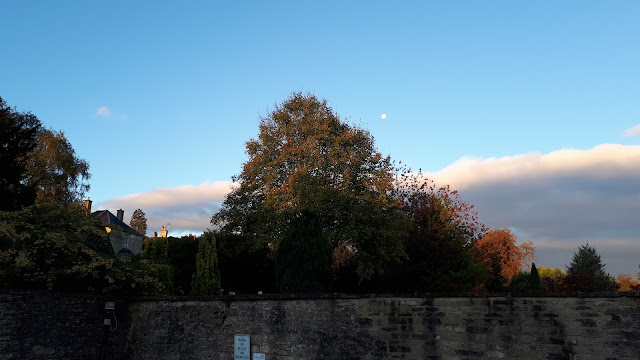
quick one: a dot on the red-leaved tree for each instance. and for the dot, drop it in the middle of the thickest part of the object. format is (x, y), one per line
(443, 230)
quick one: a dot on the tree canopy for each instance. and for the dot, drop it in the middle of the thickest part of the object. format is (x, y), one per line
(38, 164)
(512, 258)
(306, 157)
(18, 138)
(443, 229)
(54, 169)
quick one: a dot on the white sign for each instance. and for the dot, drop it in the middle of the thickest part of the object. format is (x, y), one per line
(241, 345)
(258, 356)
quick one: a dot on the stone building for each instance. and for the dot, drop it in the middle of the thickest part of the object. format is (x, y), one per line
(124, 239)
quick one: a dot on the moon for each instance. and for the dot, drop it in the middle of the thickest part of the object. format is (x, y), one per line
(383, 116)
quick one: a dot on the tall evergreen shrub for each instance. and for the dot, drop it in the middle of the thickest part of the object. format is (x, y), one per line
(534, 278)
(304, 257)
(206, 280)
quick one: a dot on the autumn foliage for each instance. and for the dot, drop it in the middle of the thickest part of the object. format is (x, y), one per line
(627, 283)
(442, 232)
(306, 157)
(500, 253)
(315, 208)
(38, 165)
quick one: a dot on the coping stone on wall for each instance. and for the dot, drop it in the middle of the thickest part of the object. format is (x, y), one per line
(329, 296)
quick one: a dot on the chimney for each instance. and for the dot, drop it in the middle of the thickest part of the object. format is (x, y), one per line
(155, 234)
(120, 214)
(163, 232)
(87, 206)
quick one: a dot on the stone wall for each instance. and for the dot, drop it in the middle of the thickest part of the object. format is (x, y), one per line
(41, 325)
(591, 326)
(391, 328)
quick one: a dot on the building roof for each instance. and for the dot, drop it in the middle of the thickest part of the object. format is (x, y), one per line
(100, 244)
(107, 218)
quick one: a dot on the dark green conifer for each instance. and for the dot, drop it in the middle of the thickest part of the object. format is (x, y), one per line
(587, 272)
(534, 278)
(304, 258)
(587, 261)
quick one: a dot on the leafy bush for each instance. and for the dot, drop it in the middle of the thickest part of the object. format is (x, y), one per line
(44, 247)
(244, 268)
(156, 250)
(520, 283)
(525, 282)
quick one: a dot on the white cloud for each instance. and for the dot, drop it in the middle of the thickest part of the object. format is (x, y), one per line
(559, 200)
(103, 111)
(632, 132)
(601, 162)
(184, 209)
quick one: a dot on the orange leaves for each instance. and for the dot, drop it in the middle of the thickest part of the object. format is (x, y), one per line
(306, 157)
(303, 140)
(627, 283)
(501, 245)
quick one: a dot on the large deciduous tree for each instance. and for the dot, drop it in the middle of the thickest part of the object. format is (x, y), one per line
(139, 221)
(38, 165)
(54, 169)
(18, 138)
(306, 157)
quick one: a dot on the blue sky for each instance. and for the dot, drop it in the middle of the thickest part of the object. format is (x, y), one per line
(160, 97)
